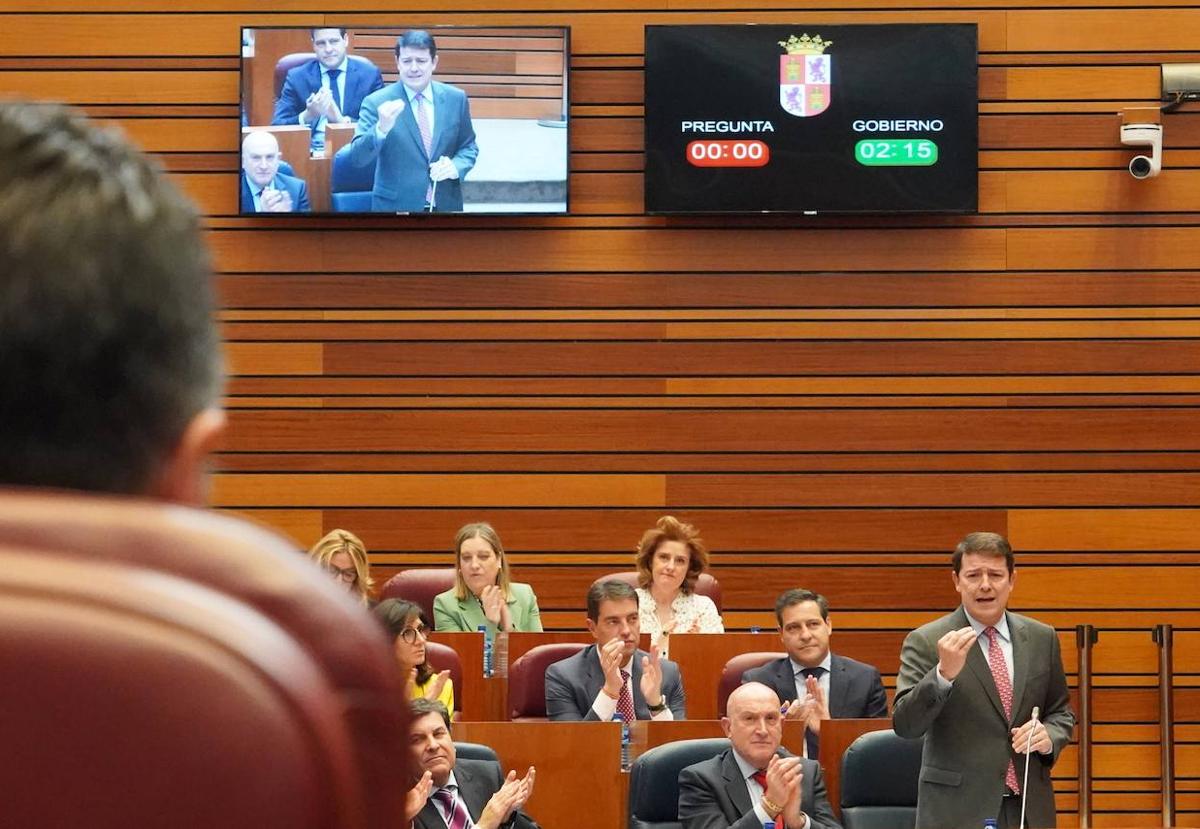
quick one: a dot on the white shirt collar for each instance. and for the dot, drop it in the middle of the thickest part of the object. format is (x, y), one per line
(979, 627)
(826, 663)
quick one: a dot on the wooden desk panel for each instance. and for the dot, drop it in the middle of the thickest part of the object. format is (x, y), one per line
(579, 784)
(482, 699)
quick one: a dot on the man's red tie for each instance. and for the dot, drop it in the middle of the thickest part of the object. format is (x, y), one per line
(1004, 688)
(625, 700)
(760, 777)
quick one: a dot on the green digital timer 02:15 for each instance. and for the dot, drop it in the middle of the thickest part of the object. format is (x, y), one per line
(896, 152)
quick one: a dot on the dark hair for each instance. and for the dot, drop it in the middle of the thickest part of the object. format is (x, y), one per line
(987, 544)
(312, 34)
(394, 615)
(670, 528)
(793, 597)
(610, 590)
(421, 706)
(108, 348)
(416, 39)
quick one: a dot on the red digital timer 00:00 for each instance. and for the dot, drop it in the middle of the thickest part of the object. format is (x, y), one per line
(728, 153)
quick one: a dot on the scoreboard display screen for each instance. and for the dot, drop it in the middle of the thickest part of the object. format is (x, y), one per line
(812, 118)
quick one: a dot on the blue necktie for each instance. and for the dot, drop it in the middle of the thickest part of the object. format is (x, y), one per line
(333, 88)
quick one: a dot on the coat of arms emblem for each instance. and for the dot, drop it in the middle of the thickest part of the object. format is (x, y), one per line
(805, 75)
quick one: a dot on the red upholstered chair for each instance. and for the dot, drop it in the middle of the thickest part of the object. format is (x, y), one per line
(165, 666)
(286, 64)
(706, 585)
(527, 679)
(419, 586)
(443, 657)
(731, 674)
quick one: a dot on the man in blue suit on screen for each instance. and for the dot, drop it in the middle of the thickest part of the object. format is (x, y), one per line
(328, 89)
(418, 134)
(264, 188)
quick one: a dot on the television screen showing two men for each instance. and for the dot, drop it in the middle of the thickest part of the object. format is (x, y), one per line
(404, 120)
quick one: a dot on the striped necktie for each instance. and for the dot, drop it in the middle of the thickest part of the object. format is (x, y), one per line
(454, 810)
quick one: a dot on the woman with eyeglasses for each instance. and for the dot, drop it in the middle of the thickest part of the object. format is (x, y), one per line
(344, 557)
(406, 625)
(484, 594)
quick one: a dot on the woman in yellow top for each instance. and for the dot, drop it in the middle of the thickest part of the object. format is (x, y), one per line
(409, 631)
(344, 557)
(484, 594)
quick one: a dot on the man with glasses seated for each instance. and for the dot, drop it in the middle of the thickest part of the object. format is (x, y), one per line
(409, 631)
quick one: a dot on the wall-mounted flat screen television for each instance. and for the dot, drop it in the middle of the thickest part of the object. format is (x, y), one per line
(404, 120)
(812, 118)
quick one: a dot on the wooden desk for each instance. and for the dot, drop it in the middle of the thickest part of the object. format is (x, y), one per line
(579, 779)
(836, 737)
(336, 137)
(482, 699)
(294, 141)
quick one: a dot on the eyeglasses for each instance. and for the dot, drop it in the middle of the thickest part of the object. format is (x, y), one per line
(410, 635)
(349, 575)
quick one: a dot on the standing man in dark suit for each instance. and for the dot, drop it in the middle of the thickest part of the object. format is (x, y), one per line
(451, 790)
(418, 134)
(613, 677)
(815, 683)
(753, 781)
(264, 188)
(968, 684)
(328, 89)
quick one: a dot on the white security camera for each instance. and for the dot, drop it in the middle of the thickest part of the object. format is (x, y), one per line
(1144, 135)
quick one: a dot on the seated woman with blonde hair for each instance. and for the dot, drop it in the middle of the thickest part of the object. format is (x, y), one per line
(670, 558)
(409, 631)
(484, 595)
(344, 556)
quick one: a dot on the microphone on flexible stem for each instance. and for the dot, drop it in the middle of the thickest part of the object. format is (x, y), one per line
(1028, 747)
(433, 197)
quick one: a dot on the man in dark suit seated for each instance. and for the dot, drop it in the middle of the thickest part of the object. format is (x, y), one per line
(612, 677)
(459, 793)
(264, 188)
(418, 134)
(753, 781)
(815, 683)
(328, 89)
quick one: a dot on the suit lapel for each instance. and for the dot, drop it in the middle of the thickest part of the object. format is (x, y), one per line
(440, 111)
(409, 117)
(785, 680)
(469, 790)
(837, 687)
(735, 785)
(594, 679)
(978, 664)
(1022, 659)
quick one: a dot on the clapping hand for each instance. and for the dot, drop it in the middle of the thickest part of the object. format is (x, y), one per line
(495, 609)
(511, 796)
(276, 201)
(651, 684)
(414, 801)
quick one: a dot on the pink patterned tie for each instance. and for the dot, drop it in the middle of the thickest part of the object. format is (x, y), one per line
(455, 810)
(625, 700)
(426, 135)
(1004, 687)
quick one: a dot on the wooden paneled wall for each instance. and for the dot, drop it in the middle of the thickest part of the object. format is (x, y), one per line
(833, 401)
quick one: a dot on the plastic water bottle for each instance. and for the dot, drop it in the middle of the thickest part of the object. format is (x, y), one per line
(626, 762)
(489, 655)
(757, 629)
(989, 824)
(500, 653)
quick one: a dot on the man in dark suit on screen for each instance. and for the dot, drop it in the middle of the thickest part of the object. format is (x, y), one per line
(969, 683)
(329, 89)
(264, 188)
(816, 683)
(754, 781)
(612, 677)
(455, 792)
(418, 134)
